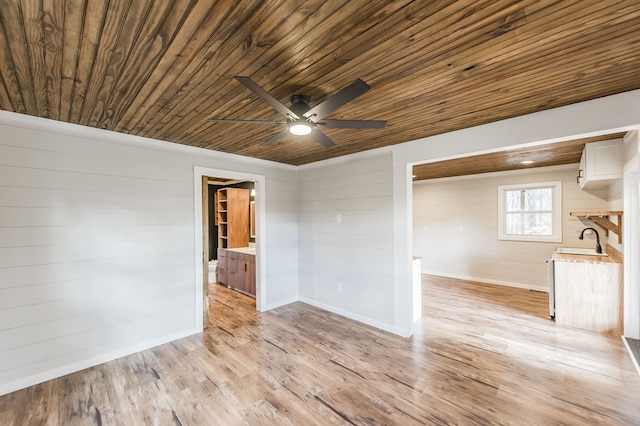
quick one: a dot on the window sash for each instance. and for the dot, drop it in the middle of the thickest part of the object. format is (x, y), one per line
(518, 221)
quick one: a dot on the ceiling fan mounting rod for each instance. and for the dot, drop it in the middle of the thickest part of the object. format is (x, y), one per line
(300, 104)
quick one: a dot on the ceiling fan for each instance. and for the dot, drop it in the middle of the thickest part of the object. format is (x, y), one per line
(302, 119)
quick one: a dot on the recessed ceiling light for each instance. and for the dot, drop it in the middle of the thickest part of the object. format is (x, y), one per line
(527, 162)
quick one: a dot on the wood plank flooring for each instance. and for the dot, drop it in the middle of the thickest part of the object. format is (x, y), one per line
(481, 355)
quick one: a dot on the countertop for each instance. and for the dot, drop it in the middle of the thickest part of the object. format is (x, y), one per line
(614, 256)
(244, 250)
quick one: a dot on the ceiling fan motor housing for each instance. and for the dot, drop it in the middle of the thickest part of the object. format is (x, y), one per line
(300, 104)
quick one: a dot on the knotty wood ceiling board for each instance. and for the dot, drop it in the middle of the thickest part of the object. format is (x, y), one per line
(159, 69)
(555, 154)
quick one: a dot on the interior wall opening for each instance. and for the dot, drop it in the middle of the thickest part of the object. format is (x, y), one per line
(230, 210)
(229, 231)
(467, 190)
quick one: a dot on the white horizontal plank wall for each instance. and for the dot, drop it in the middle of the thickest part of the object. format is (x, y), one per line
(455, 227)
(346, 238)
(97, 240)
(281, 232)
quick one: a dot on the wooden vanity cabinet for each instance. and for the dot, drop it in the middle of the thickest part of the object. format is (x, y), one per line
(222, 266)
(237, 271)
(232, 269)
(247, 272)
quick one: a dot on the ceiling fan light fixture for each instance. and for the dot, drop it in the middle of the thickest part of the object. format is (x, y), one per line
(302, 119)
(300, 129)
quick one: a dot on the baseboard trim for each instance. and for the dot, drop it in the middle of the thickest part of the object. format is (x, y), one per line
(487, 281)
(74, 367)
(359, 318)
(280, 303)
(633, 355)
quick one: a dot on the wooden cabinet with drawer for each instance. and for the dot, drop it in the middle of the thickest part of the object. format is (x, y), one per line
(222, 266)
(232, 269)
(237, 270)
(246, 273)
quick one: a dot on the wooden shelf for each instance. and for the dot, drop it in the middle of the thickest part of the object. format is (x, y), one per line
(601, 217)
(232, 212)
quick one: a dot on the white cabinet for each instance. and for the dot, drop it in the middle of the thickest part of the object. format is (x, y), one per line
(600, 164)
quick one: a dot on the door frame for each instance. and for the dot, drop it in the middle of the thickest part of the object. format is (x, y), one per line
(261, 254)
(631, 232)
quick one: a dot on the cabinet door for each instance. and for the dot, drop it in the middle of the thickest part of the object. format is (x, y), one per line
(233, 280)
(601, 163)
(605, 161)
(222, 266)
(589, 296)
(581, 170)
(250, 274)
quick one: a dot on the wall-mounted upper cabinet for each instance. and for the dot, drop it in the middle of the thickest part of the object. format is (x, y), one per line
(601, 164)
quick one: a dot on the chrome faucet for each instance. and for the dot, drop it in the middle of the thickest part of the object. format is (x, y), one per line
(598, 246)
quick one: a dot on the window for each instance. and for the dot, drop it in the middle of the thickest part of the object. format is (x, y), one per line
(530, 212)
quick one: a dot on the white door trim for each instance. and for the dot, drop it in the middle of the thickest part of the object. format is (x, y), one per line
(631, 237)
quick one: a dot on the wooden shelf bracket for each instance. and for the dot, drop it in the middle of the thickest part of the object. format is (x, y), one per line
(601, 218)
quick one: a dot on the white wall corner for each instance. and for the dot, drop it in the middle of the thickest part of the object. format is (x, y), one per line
(403, 241)
(402, 332)
(631, 235)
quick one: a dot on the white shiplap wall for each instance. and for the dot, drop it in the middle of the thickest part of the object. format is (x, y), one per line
(97, 240)
(455, 227)
(281, 232)
(346, 238)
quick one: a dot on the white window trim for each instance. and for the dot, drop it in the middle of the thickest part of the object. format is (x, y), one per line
(556, 236)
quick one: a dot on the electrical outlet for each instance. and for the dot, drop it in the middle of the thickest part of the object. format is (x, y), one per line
(339, 218)
(340, 286)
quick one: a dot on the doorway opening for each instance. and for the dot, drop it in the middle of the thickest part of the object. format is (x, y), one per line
(229, 210)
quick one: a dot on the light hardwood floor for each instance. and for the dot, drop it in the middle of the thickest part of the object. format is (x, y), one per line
(481, 355)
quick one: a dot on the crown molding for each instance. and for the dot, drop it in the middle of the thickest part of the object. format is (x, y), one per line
(70, 129)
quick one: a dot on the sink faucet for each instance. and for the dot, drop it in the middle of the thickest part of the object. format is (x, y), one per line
(598, 246)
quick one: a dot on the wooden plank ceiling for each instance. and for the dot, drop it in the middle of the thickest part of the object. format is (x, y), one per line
(159, 69)
(567, 152)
